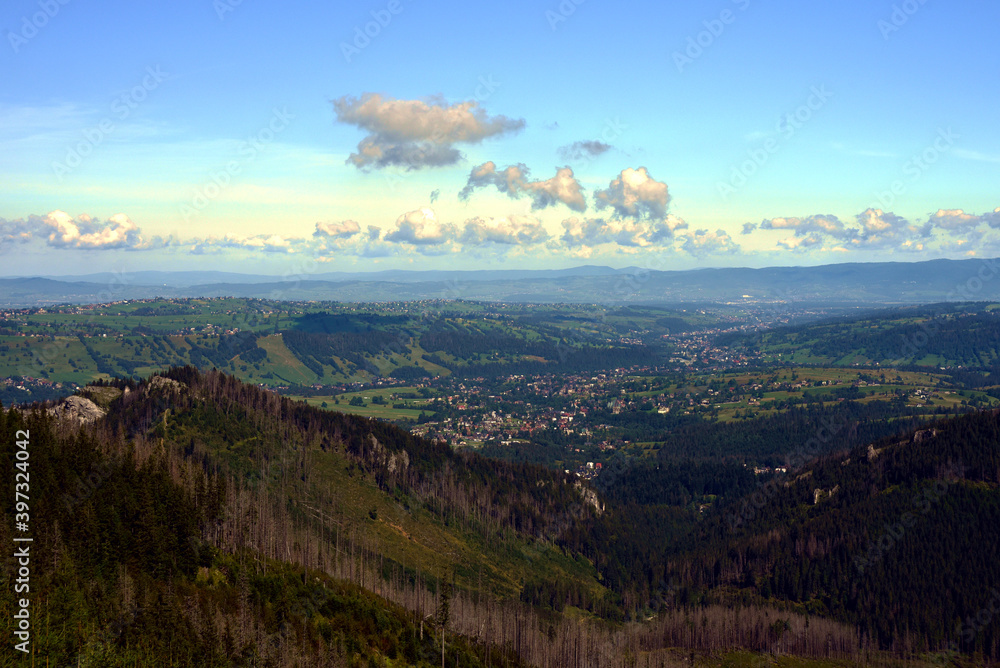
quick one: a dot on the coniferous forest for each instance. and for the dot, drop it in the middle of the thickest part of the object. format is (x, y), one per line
(203, 521)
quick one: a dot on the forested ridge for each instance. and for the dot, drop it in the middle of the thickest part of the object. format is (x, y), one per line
(122, 573)
(203, 521)
(898, 537)
(962, 335)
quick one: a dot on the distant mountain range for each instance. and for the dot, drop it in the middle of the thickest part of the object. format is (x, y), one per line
(194, 278)
(876, 283)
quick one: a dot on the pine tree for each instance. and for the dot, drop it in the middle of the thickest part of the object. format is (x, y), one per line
(443, 612)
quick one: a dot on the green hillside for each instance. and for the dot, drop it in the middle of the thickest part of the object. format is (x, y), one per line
(203, 521)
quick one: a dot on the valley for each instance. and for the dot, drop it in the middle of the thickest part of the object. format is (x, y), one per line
(546, 478)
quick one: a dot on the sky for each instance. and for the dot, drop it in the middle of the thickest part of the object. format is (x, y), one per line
(306, 137)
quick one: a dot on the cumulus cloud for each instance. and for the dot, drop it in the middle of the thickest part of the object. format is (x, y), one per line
(563, 188)
(808, 227)
(880, 229)
(873, 229)
(803, 243)
(509, 180)
(84, 232)
(993, 218)
(748, 228)
(416, 133)
(958, 220)
(510, 230)
(266, 243)
(421, 227)
(369, 243)
(58, 229)
(583, 150)
(375, 152)
(634, 193)
(703, 242)
(513, 181)
(954, 219)
(579, 232)
(342, 230)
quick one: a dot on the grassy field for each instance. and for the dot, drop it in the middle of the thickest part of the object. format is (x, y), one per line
(285, 365)
(368, 410)
(391, 395)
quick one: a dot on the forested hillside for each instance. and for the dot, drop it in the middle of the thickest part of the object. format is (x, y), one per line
(121, 576)
(939, 335)
(191, 519)
(898, 537)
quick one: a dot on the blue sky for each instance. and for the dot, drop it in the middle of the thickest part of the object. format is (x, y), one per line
(267, 137)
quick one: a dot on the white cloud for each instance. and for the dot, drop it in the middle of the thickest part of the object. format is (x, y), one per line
(875, 230)
(58, 229)
(342, 229)
(634, 193)
(795, 243)
(703, 242)
(819, 224)
(416, 133)
(265, 243)
(590, 232)
(881, 230)
(513, 180)
(421, 227)
(510, 230)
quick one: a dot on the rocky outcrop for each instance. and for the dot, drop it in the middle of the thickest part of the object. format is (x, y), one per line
(589, 497)
(79, 409)
(399, 462)
(379, 455)
(820, 494)
(167, 385)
